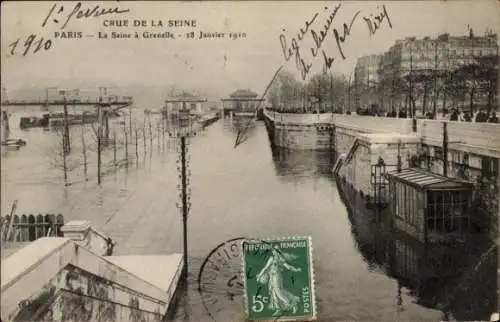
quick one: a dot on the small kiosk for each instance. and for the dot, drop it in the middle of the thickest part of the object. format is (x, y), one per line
(243, 102)
(430, 207)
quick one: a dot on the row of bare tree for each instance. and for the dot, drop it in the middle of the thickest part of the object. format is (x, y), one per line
(466, 84)
(322, 93)
(119, 148)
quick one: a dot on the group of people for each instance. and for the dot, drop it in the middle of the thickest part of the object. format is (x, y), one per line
(481, 117)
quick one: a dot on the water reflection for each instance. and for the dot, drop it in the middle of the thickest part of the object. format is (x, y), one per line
(240, 124)
(295, 164)
(459, 280)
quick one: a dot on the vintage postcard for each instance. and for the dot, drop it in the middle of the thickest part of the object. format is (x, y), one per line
(249, 160)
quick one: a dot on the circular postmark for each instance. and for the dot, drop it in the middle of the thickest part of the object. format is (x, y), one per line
(220, 282)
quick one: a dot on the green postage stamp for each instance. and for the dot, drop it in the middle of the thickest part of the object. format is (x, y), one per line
(279, 279)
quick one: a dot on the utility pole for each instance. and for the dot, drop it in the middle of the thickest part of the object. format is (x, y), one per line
(412, 101)
(349, 93)
(331, 91)
(66, 138)
(99, 137)
(184, 191)
(436, 94)
(445, 149)
(411, 82)
(184, 203)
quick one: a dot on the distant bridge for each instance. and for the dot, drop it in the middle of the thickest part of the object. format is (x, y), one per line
(122, 103)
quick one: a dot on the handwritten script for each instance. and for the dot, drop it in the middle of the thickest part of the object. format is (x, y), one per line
(291, 48)
(79, 13)
(34, 44)
(374, 22)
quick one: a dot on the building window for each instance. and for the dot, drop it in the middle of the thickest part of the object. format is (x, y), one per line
(438, 153)
(489, 167)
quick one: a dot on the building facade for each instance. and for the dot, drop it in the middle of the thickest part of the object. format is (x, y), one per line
(241, 102)
(421, 74)
(366, 79)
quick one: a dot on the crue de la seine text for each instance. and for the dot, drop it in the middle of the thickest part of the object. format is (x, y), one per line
(291, 47)
(151, 23)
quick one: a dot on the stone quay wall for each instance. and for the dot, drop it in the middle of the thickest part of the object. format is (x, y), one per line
(473, 149)
(300, 131)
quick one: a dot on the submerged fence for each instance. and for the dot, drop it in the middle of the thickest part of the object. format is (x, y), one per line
(27, 228)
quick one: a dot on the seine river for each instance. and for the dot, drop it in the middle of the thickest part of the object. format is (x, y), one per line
(361, 271)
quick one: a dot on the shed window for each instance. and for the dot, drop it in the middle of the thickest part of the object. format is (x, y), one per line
(447, 211)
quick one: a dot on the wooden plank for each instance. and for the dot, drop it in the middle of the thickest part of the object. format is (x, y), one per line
(11, 223)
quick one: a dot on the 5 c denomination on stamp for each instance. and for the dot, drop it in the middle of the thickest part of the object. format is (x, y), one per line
(279, 279)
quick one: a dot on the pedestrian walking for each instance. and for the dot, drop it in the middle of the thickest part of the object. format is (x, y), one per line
(454, 115)
(493, 118)
(467, 117)
(481, 117)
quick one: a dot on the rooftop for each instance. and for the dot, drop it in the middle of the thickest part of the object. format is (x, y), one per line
(389, 137)
(429, 181)
(243, 93)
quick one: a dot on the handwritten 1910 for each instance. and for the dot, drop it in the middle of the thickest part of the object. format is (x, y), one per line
(373, 22)
(35, 44)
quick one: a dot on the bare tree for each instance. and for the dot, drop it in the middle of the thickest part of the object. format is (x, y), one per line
(150, 137)
(84, 151)
(136, 148)
(59, 156)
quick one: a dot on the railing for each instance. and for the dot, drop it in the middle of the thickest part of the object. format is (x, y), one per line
(38, 273)
(481, 135)
(305, 119)
(28, 228)
(474, 134)
(374, 123)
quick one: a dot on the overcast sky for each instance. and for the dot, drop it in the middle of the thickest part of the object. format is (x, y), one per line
(216, 65)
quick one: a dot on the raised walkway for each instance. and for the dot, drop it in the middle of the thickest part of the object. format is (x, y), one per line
(71, 278)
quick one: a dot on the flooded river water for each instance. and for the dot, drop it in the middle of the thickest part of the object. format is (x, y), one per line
(251, 190)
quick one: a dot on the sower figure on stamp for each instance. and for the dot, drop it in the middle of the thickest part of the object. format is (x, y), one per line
(280, 299)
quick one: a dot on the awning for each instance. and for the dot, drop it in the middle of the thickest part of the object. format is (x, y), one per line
(427, 180)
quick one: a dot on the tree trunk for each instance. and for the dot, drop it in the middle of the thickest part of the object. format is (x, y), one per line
(434, 103)
(84, 152)
(114, 148)
(136, 149)
(490, 97)
(472, 102)
(126, 148)
(106, 124)
(424, 103)
(67, 144)
(64, 155)
(144, 137)
(444, 100)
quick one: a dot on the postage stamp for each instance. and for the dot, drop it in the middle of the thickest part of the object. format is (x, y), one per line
(279, 279)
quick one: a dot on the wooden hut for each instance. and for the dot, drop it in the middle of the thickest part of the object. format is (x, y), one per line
(430, 207)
